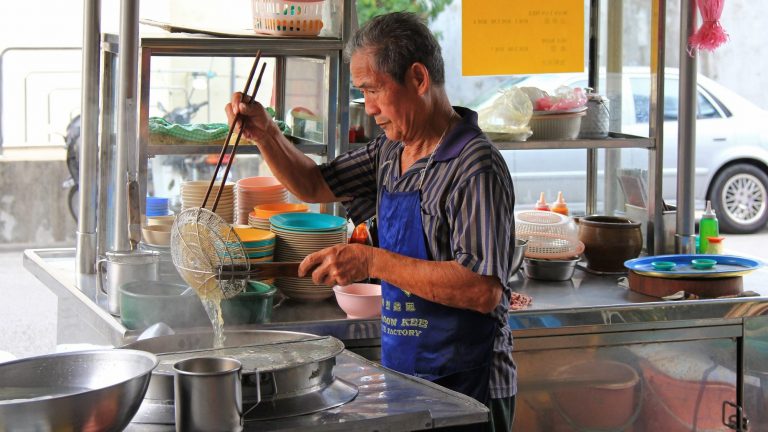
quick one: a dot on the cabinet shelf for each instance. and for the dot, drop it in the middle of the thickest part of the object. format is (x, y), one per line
(614, 140)
(304, 145)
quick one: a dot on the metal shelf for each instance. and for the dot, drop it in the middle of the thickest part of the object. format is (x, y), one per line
(614, 140)
(305, 145)
(217, 46)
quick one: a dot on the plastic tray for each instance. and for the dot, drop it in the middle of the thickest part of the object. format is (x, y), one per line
(727, 266)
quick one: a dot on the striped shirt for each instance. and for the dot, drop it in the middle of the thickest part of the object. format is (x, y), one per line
(467, 204)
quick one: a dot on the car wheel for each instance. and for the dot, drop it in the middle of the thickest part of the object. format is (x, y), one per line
(739, 196)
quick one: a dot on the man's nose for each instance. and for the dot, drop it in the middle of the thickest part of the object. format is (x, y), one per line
(371, 107)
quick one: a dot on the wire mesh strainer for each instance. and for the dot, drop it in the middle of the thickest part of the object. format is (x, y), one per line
(550, 235)
(201, 243)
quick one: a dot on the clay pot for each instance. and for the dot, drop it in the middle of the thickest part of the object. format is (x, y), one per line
(609, 241)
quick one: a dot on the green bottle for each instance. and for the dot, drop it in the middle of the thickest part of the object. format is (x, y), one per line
(708, 227)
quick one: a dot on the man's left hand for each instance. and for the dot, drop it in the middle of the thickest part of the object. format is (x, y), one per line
(338, 265)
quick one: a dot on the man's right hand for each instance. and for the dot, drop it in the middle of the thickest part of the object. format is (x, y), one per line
(256, 122)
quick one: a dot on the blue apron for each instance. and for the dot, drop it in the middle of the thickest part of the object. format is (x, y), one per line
(451, 347)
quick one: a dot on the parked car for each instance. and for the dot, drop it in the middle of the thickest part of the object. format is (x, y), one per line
(731, 160)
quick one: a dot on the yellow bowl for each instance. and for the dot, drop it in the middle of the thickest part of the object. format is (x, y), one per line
(250, 234)
(266, 211)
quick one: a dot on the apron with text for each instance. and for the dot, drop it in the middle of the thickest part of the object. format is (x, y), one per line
(451, 347)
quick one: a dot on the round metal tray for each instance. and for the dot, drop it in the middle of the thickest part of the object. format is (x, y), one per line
(295, 372)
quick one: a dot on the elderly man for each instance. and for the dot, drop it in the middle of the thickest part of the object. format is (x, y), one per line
(443, 199)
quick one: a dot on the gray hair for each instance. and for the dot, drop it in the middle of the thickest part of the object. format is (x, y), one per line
(398, 40)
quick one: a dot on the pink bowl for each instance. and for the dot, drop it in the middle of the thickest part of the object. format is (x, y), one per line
(263, 183)
(359, 300)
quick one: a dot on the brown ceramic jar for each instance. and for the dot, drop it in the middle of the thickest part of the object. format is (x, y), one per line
(609, 241)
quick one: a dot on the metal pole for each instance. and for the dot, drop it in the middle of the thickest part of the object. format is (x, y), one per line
(655, 231)
(86, 255)
(685, 239)
(592, 79)
(614, 66)
(126, 118)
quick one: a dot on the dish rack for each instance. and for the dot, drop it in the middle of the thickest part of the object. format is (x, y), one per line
(288, 18)
(550, 235)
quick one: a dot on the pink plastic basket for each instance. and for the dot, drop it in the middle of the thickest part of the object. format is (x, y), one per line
(288, 18)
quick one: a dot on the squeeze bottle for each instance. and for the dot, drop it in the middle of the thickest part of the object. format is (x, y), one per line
(560, 206)
(708, 227)
(541, 204)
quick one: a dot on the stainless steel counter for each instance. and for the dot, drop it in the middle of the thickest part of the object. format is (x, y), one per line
(586, 304)
(588, 318)
(386, 400)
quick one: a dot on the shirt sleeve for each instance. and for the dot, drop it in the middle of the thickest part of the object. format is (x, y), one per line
(483, 224)
(352, 175)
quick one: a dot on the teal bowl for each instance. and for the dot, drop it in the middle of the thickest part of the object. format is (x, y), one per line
(703, 263)
(663, 265)
(253, 306)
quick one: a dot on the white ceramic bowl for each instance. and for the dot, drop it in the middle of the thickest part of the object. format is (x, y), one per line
(359, 300)
(161, 220)
(157, 235)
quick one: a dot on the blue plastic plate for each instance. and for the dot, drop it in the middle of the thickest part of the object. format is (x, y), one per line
(307, 222)
(727, 266)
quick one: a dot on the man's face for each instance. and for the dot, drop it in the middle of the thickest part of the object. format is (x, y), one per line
(394, 106)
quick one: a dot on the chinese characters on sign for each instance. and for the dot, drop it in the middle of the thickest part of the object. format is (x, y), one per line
(502, 37)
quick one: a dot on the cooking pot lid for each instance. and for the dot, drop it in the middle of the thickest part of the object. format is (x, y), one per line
(261, 350)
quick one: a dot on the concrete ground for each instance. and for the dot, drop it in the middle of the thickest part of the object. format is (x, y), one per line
(28, 309)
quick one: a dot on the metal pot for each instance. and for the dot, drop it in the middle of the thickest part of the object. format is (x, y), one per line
(358, 117)
(120, 267)
(86, 390)
(291, 372)
(609, 241)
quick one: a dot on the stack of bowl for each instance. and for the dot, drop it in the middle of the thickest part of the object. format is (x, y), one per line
(298, 235)
(253, 191)
(259, 217)
(157, 206)
(193, 194)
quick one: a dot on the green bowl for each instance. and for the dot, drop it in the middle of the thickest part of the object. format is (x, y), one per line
(253, 306)
(663, 265)
(703, 263)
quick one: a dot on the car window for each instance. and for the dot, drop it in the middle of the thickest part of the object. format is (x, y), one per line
(641, 89)
(704, 108)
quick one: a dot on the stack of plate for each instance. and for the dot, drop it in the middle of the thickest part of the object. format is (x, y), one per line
(193, 194)
(259, 245)
(253, 191)
(298, 235)
(259, 217)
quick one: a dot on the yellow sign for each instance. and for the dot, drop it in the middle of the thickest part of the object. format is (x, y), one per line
(506, 37)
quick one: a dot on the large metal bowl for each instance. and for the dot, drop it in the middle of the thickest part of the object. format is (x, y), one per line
(98, 390)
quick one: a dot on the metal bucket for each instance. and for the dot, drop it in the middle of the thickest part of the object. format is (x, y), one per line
(120, 267)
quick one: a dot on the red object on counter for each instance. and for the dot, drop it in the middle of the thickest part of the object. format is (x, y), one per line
(352, 135)
(360, 235)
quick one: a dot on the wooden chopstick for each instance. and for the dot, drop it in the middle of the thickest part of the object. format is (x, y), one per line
(237, 140)
(229, 136)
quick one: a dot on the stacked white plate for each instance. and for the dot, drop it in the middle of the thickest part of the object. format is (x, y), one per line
(193, 194)
(252, 191)
(298, 235)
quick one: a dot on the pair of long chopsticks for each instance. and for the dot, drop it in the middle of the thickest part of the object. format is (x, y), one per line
(229, 136)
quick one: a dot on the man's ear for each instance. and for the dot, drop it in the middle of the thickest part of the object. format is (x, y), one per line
(418, 77)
